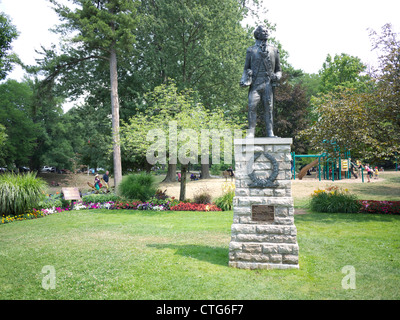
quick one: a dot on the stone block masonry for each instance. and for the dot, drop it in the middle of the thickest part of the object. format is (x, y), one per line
(263, 234)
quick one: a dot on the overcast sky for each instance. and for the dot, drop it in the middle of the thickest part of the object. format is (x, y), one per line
(311, 29)
(33, 18)
(308, 29)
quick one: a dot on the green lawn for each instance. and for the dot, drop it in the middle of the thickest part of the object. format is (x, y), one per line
(100, 254)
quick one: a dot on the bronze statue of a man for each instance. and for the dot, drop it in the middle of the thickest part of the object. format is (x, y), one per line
(262, 71)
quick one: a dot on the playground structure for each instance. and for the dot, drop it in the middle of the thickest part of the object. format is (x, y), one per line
(333, 164)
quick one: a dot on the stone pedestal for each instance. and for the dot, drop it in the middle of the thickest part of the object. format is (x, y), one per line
(263, 232)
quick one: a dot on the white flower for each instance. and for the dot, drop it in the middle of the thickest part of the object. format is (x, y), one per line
(79, 206)
(106, 205)
(158, 208)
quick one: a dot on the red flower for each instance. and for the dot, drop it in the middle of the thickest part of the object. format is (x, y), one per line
(194, 207)
(374, 206)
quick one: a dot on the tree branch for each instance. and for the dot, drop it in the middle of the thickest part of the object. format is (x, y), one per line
(60, 67)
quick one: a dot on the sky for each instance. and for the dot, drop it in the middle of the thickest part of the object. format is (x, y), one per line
(311, 29)
(32, 18)
(308, 30)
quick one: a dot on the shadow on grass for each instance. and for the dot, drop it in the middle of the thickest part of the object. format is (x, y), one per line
(214, 255)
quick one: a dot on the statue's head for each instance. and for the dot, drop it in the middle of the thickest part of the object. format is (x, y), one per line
(261, 33)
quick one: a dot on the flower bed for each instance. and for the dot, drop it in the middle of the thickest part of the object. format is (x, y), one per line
(31, 214)
(156, 205)
(182, 206)
(383, 207)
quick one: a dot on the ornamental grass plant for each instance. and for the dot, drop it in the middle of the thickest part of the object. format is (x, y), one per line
(203, 196)
(20, 193)
(137, 186)
(225, 202)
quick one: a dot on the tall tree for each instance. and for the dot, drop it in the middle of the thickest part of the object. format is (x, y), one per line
(16, 118)
(348, 118)
(387, 79)
(46, 112)
(362, 114)
(101, 30)
(87, 132)
(3, 139)
(8, 33)
(32, 122)
(3, 135)
(345, 71)
(199, 44)
(290, 110)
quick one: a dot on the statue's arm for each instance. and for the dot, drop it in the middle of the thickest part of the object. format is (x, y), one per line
(247, 64)
(278, 70)
(247, 73)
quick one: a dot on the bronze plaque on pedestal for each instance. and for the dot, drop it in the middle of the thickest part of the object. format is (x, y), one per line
(262, 213)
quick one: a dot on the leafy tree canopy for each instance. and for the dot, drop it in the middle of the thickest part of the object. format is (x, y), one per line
(8, 33)
(15, 117)
(166, 106)
(343, 70)
(366, 122)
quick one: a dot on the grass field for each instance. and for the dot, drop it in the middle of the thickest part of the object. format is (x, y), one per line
(100, 254)
(184, 255)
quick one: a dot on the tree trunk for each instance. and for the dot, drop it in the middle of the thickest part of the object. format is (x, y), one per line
(182, 194)
(205, 171)
(171, 173)
(115, 117)
(148, 167)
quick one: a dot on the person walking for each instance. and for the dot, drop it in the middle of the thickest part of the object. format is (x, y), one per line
(106, 179)
(369, 172)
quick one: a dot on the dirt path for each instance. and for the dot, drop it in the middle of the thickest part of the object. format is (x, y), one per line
(212, 186)
(58, 181)
(300, 188)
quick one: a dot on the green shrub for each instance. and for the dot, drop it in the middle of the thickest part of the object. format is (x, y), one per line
(50, 203)
(100, 198)
(225, 202)
(334, 200)
(137, 186)
(20, 192)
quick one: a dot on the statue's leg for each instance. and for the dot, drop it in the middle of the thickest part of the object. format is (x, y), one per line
(268, 111)
(254, 100)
